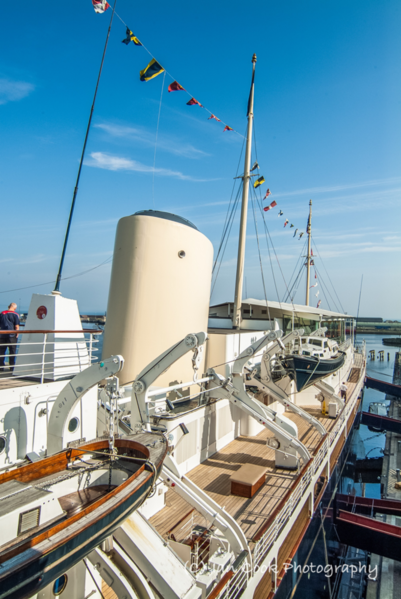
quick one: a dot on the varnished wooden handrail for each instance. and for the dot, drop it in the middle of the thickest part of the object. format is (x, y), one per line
(180, 521)
(322, 440)
(281, 504)
(19, 332)
(220, 585)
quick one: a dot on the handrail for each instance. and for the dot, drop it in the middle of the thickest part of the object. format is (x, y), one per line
(268, 530)
(19, 332)
(265, 525)
(48, 354)
(221, 585)
(282, 502)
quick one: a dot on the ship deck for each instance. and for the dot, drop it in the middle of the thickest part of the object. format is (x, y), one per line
(8, 381)
(213, 476)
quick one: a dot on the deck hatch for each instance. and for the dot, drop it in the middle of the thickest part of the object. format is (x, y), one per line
(28, 520)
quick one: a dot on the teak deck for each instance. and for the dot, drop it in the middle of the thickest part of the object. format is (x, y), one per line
(213, 476)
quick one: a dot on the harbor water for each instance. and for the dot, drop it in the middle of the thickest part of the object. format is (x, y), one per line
(366, 443)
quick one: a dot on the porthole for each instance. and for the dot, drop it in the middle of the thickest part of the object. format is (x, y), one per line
(181, 254)
(3, 443)
(59, 585)
(73, 424)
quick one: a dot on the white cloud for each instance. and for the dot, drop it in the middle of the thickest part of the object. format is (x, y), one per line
(11, 91)
(144, 137)
(119, 163)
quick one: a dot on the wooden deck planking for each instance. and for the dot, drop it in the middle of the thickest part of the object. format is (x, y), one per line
(107, 591)
(8, 381)
(213, 475)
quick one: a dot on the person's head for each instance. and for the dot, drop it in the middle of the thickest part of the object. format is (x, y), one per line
(12, 306)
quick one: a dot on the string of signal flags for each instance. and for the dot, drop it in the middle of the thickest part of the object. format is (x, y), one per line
(273, 204)
(154, 68)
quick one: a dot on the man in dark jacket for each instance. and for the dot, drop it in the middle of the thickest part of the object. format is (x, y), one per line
(9, 321)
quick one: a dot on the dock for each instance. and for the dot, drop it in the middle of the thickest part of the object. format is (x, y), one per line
(388, 580)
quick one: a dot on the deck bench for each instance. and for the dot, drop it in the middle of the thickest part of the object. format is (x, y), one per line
(247, 480)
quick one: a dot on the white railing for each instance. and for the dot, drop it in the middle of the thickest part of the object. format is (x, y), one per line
(47, 355)
(236, 585)
(360, 347)
(266, 541)
(319, 457)
(345, 345)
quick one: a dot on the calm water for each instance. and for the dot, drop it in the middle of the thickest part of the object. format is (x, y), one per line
(366, 443)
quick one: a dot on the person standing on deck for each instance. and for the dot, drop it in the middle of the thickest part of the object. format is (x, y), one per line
(343, 389)
(9, 321)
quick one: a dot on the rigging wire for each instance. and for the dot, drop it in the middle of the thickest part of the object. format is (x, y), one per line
(228, 223)
(359, 301)
(74, 197)
(293, 282)
(62, 279)
(232, 217)
(253, 200)
(228, 209)
(267, 233)
(268, 248)
(294, 288)
(321, 259)
(259, 201)
(323, 285)
(157, 133)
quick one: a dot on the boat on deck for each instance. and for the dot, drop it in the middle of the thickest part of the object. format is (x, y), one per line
(314, 357)
(54, 511)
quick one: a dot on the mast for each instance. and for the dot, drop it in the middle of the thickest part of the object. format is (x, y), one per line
(244, 209)
(308, 257)
(74, 197)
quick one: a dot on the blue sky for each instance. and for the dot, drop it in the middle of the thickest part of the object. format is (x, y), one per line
(327, 122)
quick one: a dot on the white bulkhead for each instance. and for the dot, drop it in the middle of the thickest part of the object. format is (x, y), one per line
(159, 291)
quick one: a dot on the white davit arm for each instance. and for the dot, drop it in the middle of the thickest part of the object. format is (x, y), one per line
(72, 393)
(141, 385)
(261, 377)
(234, 389)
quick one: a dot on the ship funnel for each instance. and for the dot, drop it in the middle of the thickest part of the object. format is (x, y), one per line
(159, 291)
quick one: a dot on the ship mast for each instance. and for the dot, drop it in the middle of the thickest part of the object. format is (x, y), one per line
(308, 257)
(244, 209)
(56, 290)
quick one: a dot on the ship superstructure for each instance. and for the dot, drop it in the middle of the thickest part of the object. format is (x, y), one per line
(250, 451)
